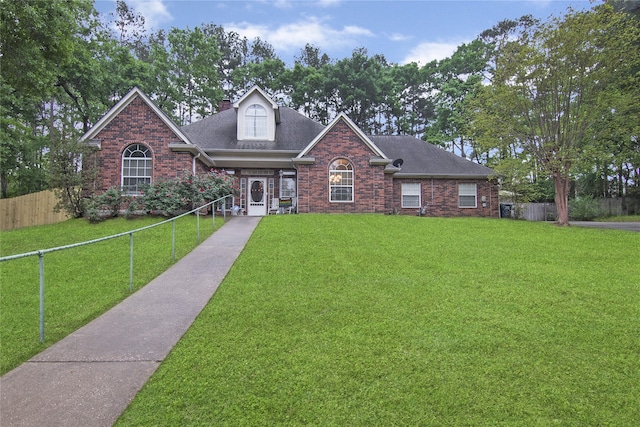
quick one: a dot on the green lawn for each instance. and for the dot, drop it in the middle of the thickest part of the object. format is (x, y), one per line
(361, 320)
(80, 283)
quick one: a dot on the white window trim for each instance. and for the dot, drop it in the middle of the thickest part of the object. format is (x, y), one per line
(147, 159)
(333, 173)
(409, 189)
(464, 189)
(283, 192)
(251, 129)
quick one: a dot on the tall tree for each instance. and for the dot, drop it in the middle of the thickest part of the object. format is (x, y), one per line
(233, 54)
(355, 87)
(130, 24)
(458, 78)
(551, 83)
(193, 55)
(38, 40)
(414, 86)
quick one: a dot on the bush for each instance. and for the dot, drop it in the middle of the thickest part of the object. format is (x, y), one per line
(107, 204)
(170, 197)
(584, 209)
(164, 197)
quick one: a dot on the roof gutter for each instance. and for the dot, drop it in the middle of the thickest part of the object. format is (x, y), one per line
(195, 150)
(441, 176)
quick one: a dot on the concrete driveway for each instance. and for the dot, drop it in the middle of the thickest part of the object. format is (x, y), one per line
(628, 226)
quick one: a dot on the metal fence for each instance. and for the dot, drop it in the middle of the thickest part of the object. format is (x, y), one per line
(41, 253)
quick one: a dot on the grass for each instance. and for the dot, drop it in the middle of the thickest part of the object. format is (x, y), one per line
(364, 320)
(80, 283)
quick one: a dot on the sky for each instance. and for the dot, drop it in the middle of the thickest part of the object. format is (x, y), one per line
(403, 31)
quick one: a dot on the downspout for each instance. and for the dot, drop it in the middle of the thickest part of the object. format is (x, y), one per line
(297, 193)
(194, 163)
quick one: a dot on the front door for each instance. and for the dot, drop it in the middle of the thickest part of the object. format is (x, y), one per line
(257, 197)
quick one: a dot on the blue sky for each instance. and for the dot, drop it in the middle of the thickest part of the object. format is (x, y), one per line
(402, 31)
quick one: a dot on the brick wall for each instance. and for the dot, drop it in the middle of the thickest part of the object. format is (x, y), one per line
(440, 196)
(138, 124)
(370, 184)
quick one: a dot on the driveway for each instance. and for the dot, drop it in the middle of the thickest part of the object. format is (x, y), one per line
(628, 226)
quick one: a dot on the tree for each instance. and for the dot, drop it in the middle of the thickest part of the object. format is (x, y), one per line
(73, 172)
(551, 84)
(193, 56)
(458, 78)
(310, 57)
(130, 25)
(38, 41)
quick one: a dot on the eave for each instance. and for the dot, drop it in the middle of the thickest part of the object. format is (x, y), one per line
(253, 158)
(439, 175)
(195, 151)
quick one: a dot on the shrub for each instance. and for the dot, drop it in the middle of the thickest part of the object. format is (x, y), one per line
(584, 209)
(100, 206)
(170, 197)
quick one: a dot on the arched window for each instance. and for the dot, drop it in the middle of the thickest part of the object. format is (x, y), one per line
(136, 168)
(255, 122)
(341, 181)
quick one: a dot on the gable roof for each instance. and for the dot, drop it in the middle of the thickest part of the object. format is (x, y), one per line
(424, 160)
(121, 105)
(263, 94)
(218, 132)
(354, 128)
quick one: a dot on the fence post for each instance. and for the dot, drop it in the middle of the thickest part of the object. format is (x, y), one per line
(130, 262)
(173, 240)
(198, 224)
(41, 262)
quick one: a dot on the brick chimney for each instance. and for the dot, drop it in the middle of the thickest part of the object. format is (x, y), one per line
(223, 105)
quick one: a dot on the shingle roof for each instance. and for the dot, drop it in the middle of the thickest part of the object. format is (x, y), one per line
(218, 132)
(295, 131)
(421, 158)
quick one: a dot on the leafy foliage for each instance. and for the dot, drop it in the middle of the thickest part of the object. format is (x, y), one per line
(110, 202)
(553, 83)
(170, 197)
(584, 208)
(72, 170)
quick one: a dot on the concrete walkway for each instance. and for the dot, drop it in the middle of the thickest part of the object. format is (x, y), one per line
(90, 377)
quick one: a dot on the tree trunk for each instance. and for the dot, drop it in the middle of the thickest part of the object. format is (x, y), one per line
(561, 185)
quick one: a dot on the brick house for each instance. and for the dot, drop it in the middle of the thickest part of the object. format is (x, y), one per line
(283, 161)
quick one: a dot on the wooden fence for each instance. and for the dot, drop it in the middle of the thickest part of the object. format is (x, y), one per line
(547, 211)
(28, 210)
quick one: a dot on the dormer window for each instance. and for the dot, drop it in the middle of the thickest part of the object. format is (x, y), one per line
(255, 122)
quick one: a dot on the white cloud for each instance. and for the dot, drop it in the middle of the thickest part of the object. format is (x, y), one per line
(398, 37)
(294, 35)
(154, 11)
(429, 51)
(329, 3)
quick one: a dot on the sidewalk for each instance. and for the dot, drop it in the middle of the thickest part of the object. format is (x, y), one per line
(90, 377)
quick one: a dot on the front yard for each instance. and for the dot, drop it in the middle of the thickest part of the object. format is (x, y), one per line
(387, 320)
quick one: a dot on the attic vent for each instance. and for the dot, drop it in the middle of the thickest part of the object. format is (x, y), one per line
(257, 172)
